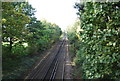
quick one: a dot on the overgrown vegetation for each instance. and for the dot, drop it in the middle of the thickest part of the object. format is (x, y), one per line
(98, 49)
(23, 36)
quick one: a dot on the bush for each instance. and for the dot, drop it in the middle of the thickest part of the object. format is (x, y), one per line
(19, 50)
(99, 54)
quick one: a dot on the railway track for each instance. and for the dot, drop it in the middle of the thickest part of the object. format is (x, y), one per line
(52, 67)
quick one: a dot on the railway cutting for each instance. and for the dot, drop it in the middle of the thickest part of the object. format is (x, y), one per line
(52, 66)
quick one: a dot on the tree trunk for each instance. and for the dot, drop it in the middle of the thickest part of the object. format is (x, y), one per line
(11, 45)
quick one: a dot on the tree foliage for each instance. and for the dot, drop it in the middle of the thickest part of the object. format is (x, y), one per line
(23, 34)
(13, 24)
(98, 54)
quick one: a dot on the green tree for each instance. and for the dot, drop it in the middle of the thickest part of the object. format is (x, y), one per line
(99, 52)
(23, 36)
(12, 23)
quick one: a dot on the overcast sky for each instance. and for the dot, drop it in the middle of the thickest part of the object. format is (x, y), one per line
(60, 12)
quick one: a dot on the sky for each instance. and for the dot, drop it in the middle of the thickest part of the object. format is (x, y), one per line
(60, 12)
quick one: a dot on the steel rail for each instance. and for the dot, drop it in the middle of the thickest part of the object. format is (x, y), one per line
(49, 63)
(53, 74)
